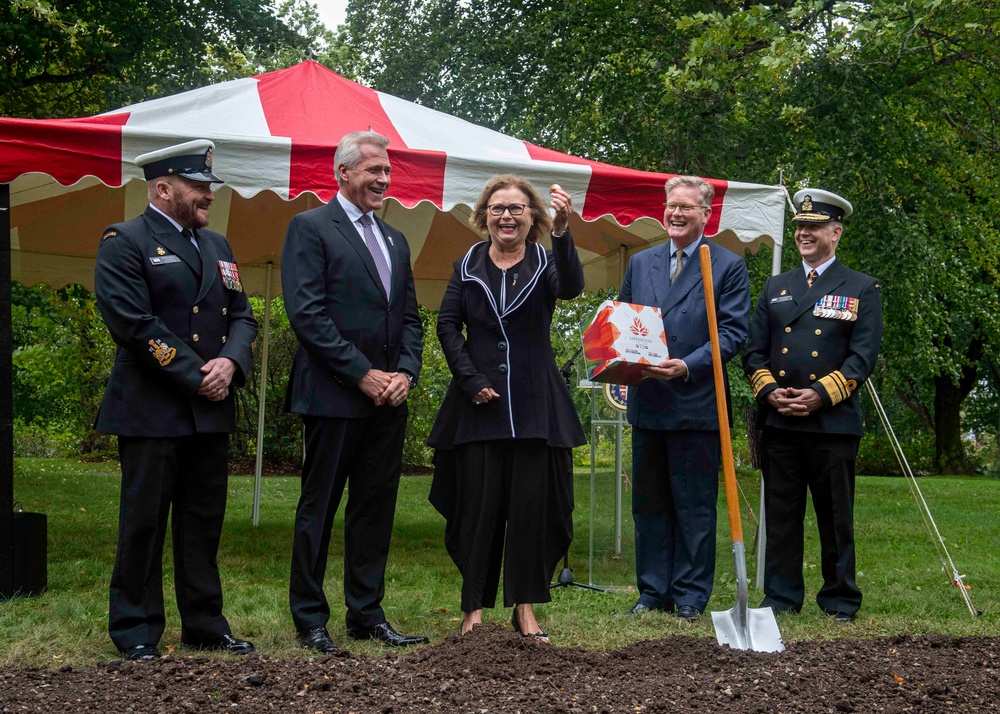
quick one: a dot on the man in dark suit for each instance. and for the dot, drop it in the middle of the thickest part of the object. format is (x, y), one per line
(814, 338)
(170, 293)
(351, 301)
(675, 426)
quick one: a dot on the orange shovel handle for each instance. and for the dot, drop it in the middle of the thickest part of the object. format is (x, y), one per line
(728, 467)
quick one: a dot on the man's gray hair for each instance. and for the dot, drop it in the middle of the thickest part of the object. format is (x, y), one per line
(707, 190)
(349, 149)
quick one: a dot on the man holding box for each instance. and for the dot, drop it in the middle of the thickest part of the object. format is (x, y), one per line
(675, 431)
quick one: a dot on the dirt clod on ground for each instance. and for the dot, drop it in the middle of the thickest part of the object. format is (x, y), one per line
(495, 670)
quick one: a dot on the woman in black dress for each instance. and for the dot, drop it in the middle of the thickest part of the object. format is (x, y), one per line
(504, 435)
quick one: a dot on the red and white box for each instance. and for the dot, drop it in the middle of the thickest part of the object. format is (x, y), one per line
(622, 340)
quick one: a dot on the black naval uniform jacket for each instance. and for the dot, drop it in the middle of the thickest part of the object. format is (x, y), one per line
(790, 346)
(169, 311)
(509, 349)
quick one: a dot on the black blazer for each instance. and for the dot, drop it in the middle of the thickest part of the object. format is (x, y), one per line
(340, 313)
(789, 346)
(169, 311)
(508, 349)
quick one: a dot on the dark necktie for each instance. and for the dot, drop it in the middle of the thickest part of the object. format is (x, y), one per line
(680, 264)
(377, 255)
(189, 234)
(812, 277)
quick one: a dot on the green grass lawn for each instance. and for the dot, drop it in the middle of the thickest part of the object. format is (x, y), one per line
(898, 568)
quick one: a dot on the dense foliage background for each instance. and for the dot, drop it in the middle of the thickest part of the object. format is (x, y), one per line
(893, 104)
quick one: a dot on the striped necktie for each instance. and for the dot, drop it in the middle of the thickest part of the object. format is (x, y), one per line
(812, 277)
(680, 264)
(376, 250)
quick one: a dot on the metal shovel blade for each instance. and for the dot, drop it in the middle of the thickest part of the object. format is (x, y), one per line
(743, 627)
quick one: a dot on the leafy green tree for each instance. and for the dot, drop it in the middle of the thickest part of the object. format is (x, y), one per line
(892, 104)
(75, 58)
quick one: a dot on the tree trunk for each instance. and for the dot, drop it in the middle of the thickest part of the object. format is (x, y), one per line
(950, 456)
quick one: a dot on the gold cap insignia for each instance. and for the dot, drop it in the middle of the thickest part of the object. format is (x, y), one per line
(807, 204)
(208, 158)
(160, 251)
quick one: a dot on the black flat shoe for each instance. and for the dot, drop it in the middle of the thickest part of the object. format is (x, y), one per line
(537, 636)
(317, 638)
(141, 653)
(222, 643)
(384, 633)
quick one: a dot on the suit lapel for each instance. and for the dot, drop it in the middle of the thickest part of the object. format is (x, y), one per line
(172, 240)
(688, 279)
(209, 266)
(659, 273)
(831, 279)
(350, 233)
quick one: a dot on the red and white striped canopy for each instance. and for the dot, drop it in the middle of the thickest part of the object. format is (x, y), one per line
(275, 137)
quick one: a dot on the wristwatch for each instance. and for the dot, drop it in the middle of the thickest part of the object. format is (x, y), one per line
(410, 378)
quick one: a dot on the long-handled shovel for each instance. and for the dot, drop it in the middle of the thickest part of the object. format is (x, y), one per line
(742, 628)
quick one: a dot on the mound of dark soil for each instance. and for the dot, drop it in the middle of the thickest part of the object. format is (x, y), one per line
(495, 670)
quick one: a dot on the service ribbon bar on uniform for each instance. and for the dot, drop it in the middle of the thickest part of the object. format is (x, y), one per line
(837, 307)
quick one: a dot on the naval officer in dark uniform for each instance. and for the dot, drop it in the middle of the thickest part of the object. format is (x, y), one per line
(170, 294)
(814, 338)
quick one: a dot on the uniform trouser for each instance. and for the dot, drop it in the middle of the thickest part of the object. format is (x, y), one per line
(675, 487)
(824, 463)
(185, 477)
(521, 489)
(365, 455)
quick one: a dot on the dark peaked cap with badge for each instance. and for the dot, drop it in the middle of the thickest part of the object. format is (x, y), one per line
(192, 160)
(814, 205)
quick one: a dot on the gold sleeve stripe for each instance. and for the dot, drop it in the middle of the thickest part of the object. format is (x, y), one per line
(760, 379)
(838, 387)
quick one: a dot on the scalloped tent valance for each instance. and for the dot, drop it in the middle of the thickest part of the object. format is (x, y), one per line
(275, 137)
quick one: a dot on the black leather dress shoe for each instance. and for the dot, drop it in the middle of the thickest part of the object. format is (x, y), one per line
(141, 653)
(637, 609)
(317, 638)
(384, 633)
(223, 643)
(688, 612)
(843, 618)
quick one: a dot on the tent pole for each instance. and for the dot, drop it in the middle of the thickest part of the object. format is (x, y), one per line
(259, 469)
(6, 405)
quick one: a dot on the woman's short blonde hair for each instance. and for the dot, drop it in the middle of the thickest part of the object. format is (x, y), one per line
(541, 222)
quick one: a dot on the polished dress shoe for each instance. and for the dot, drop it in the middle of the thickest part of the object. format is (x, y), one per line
(637, 609)
(223, 643)
(688, 612)
(317, 638)
(141, 653)
(843, 618)
(384, 633)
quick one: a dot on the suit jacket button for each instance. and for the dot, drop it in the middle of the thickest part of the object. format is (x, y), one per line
(674, 338)
(225, 311)
(195, 309)
(684, 310)
(223, 339)
(385, 348)
(781, 373)
(788, 329)
(784, 350)
(819, 332)
(501, 345)
(502, 369)
(815, 354)
(388, 312)
(505, 322)
(194, 337)
(812, 377)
